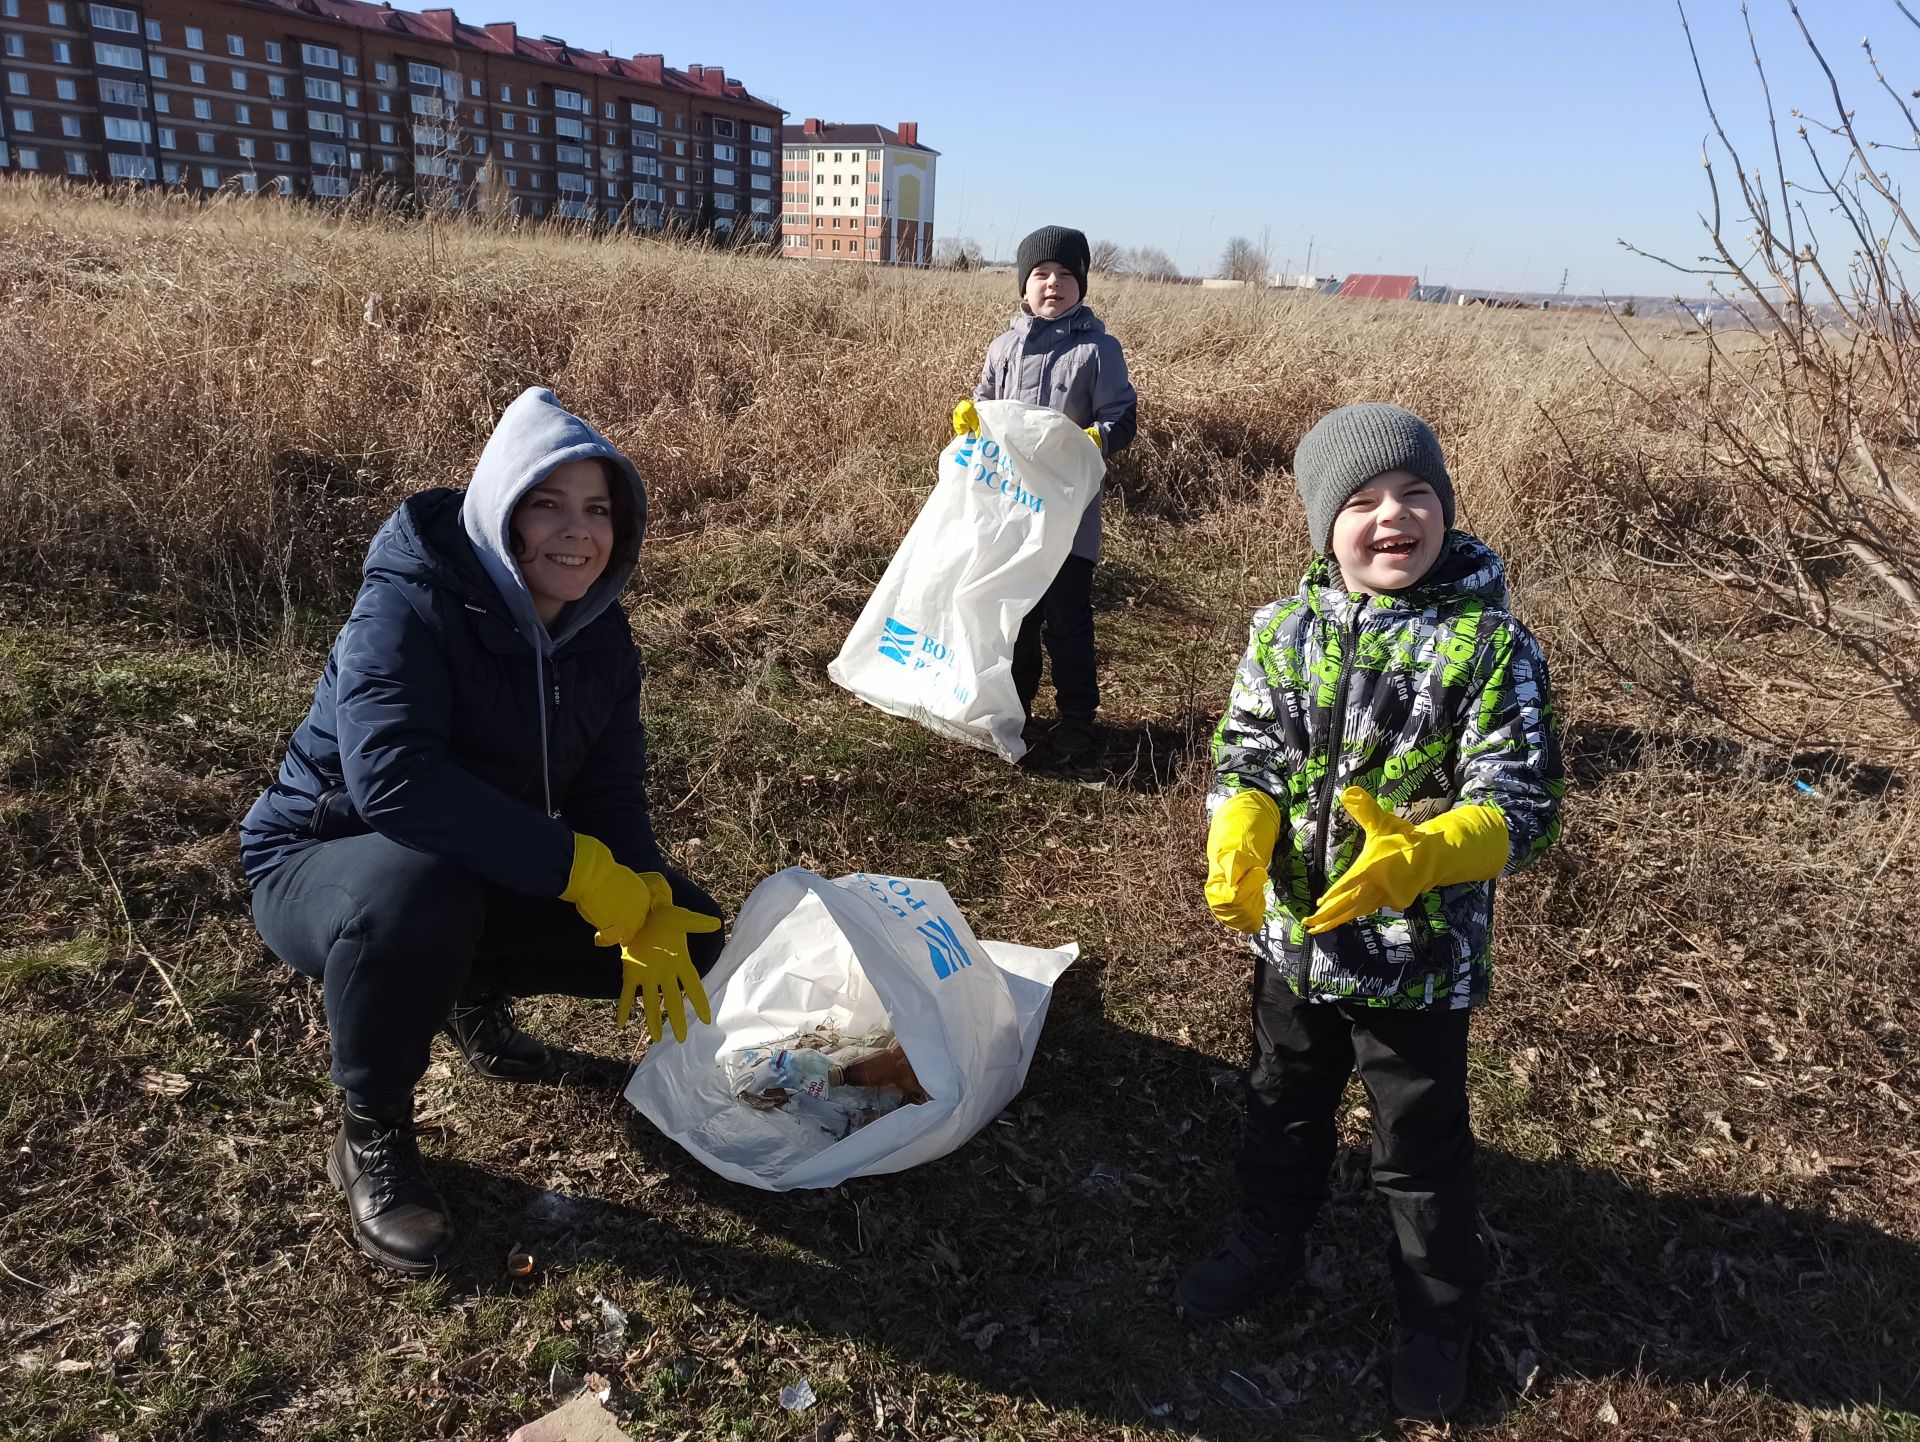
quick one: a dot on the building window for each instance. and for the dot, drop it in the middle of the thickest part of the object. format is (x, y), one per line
(27, 159)
(479, 145)
(202, 109)
(170, 173)
(389, 162)
(76, 163)
(243, 115)
(324, 56)
(196, 40)
(56, 13)
(350, 98)
(279, 118)
(107, 17)
(16, 47)
(569, 100)
(273, 51)
(129, 167)
(132, 132)
(536, 151)
(533, 125)
(506, 121)
(353, 130)
(204, 141)
(66, 90)
(126, 57)
(62, 53)
(386, 104)
(236, 46)
(122, 92)
(327, 121)
(239, 78)
(210, 177)
(473, 89)
(334, 156)
(197, 74)
(763, 182)
(513, 177)
(283, 184)
(330, 185)
(282, 152)
(480, 119)
(153, 31)
(246, 148)
(506, 148)
(167, 140)
(762, 133)
(157, 66)
(762, 158)
(277, 86)
(349, 65)
(723, 152)
(386, 135)
(17, 85)
(723, 177)
(70, 126)
(161, 103)
(423, 74)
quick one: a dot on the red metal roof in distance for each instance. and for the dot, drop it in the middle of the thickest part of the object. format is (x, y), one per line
(445, 27)
(1379, 287)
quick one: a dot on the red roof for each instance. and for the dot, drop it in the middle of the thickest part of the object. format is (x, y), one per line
(1379, 287)
(443, 26)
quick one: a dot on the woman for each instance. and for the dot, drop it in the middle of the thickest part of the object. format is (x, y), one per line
(462, 817)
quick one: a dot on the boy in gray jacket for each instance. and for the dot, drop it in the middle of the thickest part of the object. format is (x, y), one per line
(1056, 353)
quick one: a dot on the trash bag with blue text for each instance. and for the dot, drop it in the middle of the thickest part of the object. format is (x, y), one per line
(935, 642)
(860, 957)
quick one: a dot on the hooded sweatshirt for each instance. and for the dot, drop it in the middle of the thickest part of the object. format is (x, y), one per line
(448, 718)
(1428, 698)
(1073, 366)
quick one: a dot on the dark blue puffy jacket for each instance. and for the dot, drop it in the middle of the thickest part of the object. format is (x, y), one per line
(448, 719)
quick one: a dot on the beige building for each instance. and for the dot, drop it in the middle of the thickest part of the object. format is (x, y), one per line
(857, 192)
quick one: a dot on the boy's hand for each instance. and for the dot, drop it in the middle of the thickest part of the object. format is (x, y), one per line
(657, 964)
(1240, 846)
(1401, 861)
(966, 420)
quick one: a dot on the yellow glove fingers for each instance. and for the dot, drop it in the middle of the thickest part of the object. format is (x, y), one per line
(697, 994)
(1093, 434)
(696, 923)
(654, 1001)
(966, 420)
(1367, 812)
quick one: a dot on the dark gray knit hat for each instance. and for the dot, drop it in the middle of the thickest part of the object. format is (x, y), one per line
(1350, 446)
(1060, 245)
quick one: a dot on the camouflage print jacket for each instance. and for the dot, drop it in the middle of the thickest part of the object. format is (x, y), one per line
(1429, 698)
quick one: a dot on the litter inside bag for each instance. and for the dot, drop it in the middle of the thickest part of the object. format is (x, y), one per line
(838, 1083)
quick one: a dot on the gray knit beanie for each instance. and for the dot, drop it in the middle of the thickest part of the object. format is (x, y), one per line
(1350, 446)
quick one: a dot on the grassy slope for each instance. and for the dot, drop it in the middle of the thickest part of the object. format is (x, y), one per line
(1693, 1087)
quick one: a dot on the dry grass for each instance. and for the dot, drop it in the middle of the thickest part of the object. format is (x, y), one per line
(1694, 1084)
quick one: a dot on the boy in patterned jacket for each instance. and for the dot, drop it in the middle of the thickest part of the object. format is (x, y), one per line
(1397, 683)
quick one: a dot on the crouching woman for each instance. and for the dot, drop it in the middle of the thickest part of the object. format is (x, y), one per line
(462, 817)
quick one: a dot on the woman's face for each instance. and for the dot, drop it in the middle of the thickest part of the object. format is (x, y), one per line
(563, 535)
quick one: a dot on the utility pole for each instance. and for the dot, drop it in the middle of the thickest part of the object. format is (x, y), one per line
(1563, 281)
(1310, 255)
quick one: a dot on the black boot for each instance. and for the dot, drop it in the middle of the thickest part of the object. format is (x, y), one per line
(1430, 1373)
(1253, 1262)
(482, 1026)
(397, 1216)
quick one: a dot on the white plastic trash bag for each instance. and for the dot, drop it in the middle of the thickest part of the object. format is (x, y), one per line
(935, 642)
(858, 953)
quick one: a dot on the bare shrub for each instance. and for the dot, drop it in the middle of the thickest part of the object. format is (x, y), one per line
(1772, 528)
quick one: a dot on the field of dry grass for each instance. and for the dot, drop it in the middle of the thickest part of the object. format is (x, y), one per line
(1695, 1085)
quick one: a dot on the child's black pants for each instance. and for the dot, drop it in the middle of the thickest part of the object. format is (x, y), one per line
(1414, 1067)
(395, 936)
(1066, 615)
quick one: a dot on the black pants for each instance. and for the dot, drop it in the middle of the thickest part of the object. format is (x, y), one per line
(394, 936)
(1065, 614)
(1414, 1067)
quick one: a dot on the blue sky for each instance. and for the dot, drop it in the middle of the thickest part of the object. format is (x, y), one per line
(1485, 144)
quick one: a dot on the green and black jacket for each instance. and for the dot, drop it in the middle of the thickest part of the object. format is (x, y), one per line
(1430, 698)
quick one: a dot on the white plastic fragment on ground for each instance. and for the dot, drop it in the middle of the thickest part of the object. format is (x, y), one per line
(798, 1397)
(859, 955)
(935, 642)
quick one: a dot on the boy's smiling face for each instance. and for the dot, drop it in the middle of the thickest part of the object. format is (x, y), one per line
(1051, 290)
(1389, 533)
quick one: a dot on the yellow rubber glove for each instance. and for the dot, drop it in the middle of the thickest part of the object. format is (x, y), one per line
(614, 899)
(658, 965)
(1240, 846)
(1401, 860)
(1093, 434)
(966, 420)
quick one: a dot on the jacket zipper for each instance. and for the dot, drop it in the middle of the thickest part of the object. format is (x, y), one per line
(1323, 810)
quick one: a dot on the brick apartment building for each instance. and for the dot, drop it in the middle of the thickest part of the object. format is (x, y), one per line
(856, 192)
(317, 97)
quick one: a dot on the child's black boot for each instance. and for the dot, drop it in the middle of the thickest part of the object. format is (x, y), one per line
(1430, 1373)
(1253, 1262)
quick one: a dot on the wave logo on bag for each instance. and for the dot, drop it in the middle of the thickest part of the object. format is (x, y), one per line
(945, 950)
(897, 640)
(995, 471)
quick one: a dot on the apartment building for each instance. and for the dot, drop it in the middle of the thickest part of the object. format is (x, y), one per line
(856, 192)
(319, 97)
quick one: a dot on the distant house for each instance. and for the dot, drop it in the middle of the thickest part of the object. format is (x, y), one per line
(1379, 287)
